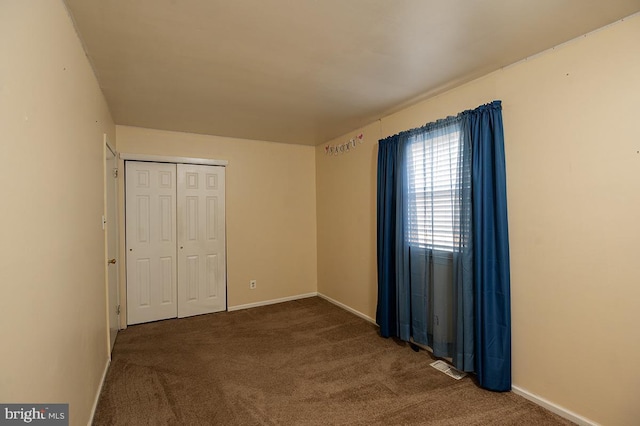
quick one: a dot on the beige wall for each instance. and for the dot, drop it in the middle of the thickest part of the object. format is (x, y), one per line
(52, 120)
(270, 208)
(346, 194)
(573, 170)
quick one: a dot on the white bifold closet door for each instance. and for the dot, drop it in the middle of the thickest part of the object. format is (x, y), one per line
(175, 236)
(201, 240)
(151, 241)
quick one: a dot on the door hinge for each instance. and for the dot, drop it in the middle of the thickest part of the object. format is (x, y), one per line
(115, 173)
(117, 309)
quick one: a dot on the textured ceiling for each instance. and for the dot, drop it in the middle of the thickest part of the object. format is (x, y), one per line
(306, 71)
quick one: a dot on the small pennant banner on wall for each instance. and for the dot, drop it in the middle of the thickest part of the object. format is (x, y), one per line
(345, 147)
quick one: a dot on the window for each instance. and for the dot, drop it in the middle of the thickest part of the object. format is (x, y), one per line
(433, 174)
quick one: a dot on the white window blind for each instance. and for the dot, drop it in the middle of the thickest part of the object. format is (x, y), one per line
(432, 177)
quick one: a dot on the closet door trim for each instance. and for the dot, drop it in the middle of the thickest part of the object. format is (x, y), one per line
(176, 160)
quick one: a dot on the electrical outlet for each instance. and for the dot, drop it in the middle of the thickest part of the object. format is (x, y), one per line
(252, 284)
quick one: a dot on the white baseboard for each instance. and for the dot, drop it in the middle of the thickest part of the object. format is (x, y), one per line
(348, 308)
(561, 411)
(97, 398)
(270, 302)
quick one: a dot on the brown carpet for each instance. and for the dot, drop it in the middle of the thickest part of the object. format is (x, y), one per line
(305, 362)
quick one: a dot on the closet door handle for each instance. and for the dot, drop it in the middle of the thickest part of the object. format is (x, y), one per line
(112, 261)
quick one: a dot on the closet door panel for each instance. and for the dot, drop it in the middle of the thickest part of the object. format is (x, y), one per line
(201, 240)
(151, 241)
